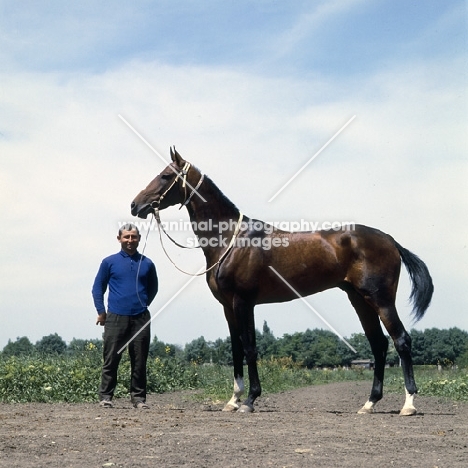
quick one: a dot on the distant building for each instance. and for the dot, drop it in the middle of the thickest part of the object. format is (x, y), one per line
(364, 363)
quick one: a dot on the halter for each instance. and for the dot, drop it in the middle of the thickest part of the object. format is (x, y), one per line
(155, 205)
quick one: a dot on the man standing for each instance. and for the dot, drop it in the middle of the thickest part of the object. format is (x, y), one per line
(133, 284)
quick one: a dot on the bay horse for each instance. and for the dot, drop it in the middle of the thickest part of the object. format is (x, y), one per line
(250, 262)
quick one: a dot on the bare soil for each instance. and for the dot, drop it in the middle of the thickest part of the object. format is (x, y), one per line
(315, 426)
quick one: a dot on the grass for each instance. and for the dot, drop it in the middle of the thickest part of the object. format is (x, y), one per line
(76, 378)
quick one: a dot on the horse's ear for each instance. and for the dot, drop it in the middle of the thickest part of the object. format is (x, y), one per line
(176, 157)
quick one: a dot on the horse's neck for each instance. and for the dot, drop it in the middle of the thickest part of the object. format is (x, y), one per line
(206, 215)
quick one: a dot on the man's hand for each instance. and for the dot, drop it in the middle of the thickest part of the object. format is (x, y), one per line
(101, 319)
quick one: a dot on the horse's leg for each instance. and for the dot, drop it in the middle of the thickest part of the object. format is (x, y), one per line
(402, 342)
(378, 343)
(244, 312)
(388, 315)
(238, 360)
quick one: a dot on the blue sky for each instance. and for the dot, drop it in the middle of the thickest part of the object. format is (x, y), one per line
(338, 38)
(248, 92)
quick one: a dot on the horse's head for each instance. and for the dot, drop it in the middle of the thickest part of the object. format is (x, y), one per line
(165, 190)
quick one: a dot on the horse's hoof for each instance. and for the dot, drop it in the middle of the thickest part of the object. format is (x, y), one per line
(366, 410)
(408, 412)
(246, 409)
(230, 408)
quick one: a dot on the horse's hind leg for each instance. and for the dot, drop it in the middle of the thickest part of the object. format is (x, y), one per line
(384, 304)
(402, 342)
(378, 343)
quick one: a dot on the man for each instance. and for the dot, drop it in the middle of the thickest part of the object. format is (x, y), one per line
(133, 284)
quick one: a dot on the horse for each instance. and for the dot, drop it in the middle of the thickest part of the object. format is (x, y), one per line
(250, 262)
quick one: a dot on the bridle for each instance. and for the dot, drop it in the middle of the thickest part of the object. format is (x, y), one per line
(180, 175)
(155, 205)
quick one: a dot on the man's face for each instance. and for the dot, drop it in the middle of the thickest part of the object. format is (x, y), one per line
(129, 241)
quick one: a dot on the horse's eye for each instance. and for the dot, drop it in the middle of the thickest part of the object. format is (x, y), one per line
(166, 176)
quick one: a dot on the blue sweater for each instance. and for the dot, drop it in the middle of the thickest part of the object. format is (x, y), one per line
(119, 272)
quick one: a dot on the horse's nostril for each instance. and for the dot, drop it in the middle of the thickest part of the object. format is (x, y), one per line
(133, 204)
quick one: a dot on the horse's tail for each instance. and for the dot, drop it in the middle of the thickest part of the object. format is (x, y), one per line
(422, 286)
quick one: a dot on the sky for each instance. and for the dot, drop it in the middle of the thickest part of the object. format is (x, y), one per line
(249, 92)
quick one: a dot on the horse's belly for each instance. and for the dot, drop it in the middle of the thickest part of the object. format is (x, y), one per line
(277, 286)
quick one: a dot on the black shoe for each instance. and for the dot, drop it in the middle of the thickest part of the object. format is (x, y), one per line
(106, 404)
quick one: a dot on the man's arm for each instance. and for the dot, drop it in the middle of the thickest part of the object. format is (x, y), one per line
(99, 289)
(152, 283)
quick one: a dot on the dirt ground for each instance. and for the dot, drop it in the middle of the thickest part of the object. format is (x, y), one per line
(315, 426)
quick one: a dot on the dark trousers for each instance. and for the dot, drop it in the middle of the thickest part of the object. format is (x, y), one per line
(118, 330)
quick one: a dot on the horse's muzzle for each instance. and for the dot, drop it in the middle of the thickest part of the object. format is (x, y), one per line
(142, 211)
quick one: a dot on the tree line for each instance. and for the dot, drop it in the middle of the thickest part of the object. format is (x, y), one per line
(311, 349)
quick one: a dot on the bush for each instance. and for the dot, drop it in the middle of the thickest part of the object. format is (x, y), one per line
(76, 378)
(50, 378)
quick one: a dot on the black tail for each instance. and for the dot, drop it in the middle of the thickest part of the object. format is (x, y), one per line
(422, 286)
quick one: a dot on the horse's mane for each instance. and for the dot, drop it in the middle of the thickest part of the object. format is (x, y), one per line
(215, 192)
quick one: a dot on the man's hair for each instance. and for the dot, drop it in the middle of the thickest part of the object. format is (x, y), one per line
(128, 227)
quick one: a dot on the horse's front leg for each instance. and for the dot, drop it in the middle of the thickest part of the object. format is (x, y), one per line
(233, 403)
(238, 360)
(244, 311)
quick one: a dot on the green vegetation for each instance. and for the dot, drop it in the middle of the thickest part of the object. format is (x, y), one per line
(445, 383)
(76, 378)
(52, 371)
(50, 378)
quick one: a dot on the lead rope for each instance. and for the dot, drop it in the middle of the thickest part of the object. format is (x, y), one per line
(160, 226)
(229, 247)
(138, 269)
